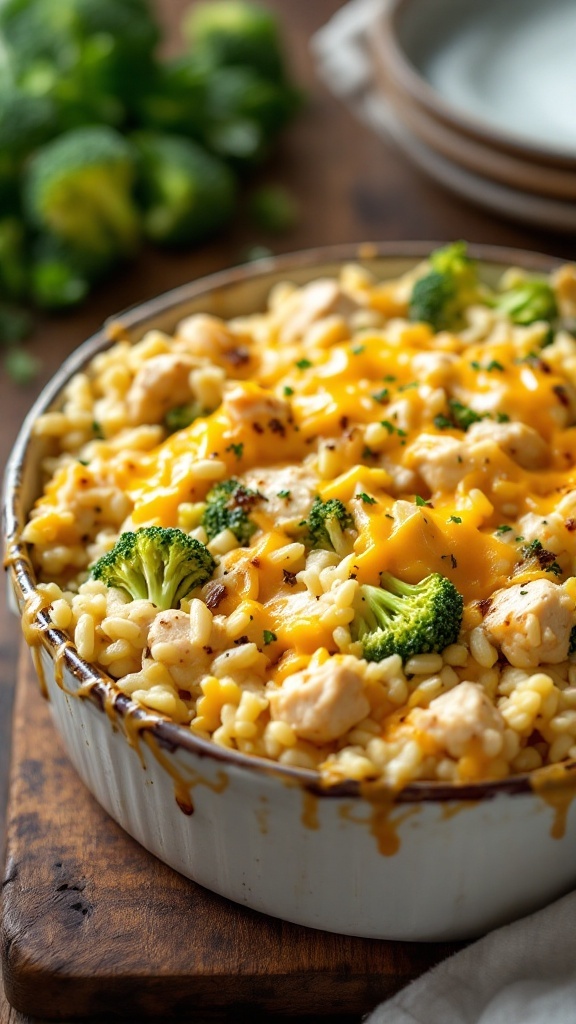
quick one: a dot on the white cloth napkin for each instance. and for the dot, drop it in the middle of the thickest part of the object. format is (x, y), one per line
(524, 973)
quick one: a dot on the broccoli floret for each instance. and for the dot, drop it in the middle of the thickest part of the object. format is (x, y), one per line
(90, 57)
(181, 416)
(59, 277)
(236, 32)
(528, 300)
(25, 123)
(156, 563)
(78, 189)
(174, 99)
(185, 192)
(227, 508)
(326, 524)
(245, 112)
(452, 283)
(408, 619)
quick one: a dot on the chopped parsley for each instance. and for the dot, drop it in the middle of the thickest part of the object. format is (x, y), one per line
(288, 390)
(454, 519)
(462, 415)
(304, 364)
(269, 637)
(442, 422)
(381, 396)
(392, 429)
(357, 350)
(492, 365)
(554, 568)
(366, 498)
(459, 416)
(504, 528)
(532, 548)
(408, 387)
(422, 501)
(97, 431)
(284, 494)
(238, 449)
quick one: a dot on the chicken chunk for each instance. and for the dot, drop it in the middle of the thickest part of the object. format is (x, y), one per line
(170, 643)
(521, 443)
(309, 304)
(531, 623)
(441, 462)
(324, 703)
(459, 717)
(289, 491)
(435, 368)
(160, 384)
(251, 403)
(206, 336)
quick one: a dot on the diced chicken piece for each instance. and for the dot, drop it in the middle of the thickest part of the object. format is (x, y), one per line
(161, 383)
(549, 530)
(169, 637)
(207, 336)
(289, 491)
(305, 306)
(441, 462)
(521, 443)
(531, 623)
(434, 367)
(458, 718)
(251, 403)
(170, 643)
(323, 703)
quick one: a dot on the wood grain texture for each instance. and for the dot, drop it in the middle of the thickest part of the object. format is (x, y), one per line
(92, 923)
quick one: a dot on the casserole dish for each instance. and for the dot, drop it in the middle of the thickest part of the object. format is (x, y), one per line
(428, 860)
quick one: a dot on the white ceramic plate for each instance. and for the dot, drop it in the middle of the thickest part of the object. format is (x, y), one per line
(553, 214)
(507, 64)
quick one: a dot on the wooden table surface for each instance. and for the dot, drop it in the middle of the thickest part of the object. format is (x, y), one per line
(350, 186)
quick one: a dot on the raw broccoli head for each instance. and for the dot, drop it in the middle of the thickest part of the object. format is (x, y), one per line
(236, 32)
(326, 524)
(186, 193)
(245, 112)
(174, 99)
(157, 563)
(78, 188)
(408, 619)
(228, 505)
(91, 57)
(440, 296)
(58, 276)
(530, 299)
(25, 123)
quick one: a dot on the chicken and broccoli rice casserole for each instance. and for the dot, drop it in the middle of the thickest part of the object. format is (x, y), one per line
(339, 533)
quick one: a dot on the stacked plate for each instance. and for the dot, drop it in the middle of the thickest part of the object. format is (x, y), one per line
(482, 95)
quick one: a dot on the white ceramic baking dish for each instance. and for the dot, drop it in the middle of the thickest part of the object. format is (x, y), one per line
(434, 862)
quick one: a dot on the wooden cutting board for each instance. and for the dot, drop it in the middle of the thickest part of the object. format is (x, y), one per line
(93, 925)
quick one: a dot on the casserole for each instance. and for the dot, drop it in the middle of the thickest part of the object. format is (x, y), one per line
(276, 835)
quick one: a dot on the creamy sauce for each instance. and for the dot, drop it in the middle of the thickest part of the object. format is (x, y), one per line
(557, 787)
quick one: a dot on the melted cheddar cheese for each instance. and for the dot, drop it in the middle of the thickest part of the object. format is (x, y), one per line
(454, 452)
